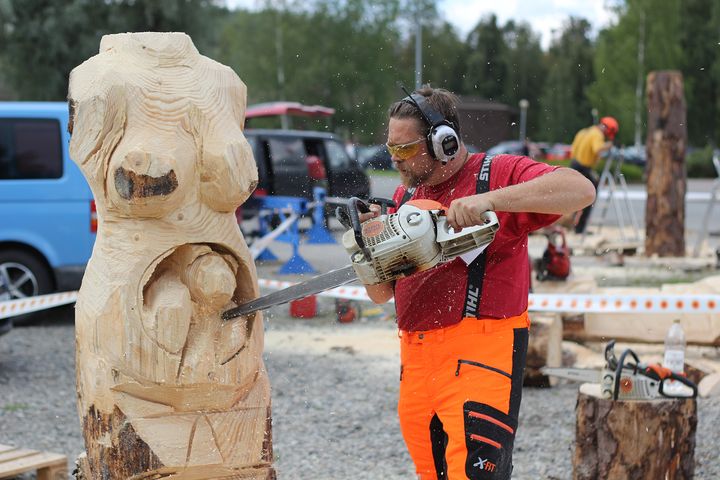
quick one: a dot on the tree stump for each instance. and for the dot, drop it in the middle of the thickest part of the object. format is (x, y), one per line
(666, 178)
(630, 439)
(166, 389)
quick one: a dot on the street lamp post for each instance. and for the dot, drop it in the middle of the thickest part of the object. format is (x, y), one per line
(524, 104)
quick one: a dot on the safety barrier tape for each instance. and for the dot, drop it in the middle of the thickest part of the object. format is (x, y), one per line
(21, 306)
(538, 302)
(569, 303)
(602, 303)
(641, 195)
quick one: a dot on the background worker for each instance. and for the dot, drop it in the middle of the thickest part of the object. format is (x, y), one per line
(464, 328)
(588, 144)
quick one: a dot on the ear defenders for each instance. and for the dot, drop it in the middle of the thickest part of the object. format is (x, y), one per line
(443, 141)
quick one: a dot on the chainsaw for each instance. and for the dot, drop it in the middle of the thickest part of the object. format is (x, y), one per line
(621, 379)
(415, 238)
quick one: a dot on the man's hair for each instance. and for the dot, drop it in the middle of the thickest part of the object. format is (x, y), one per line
(443, 101)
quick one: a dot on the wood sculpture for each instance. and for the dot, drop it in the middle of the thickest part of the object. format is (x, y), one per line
(166, 389)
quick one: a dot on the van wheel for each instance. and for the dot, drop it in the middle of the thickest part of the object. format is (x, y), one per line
(23, 274)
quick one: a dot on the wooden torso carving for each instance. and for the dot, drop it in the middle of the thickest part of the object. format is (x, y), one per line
(166, 389)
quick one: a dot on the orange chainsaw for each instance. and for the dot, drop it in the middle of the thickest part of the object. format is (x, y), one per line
(622, 379)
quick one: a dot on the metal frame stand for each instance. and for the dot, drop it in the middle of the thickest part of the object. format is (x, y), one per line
(610, 179)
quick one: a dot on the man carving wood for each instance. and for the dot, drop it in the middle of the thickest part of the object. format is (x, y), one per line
(165, 388)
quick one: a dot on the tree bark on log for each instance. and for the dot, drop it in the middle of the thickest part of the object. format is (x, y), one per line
(624, 440)
(665, 168)
(166, 389)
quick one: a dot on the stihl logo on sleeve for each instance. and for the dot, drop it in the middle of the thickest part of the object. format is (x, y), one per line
(486, 465)
(485, 169)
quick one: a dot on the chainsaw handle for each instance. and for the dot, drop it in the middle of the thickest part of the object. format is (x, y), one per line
(383, 202)
(355, 207)
(682, 379)
(619, 369)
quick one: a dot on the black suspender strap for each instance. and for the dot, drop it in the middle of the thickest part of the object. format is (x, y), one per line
(409, 192)
(476, 269)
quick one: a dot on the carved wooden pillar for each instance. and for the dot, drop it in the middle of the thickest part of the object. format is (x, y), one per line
(165, 388)
(666, 178)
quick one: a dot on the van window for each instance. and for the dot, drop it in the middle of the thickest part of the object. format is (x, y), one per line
(337, 155)
(288, 153)
(30, 148)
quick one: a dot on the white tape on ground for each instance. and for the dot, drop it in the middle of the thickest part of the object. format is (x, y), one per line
(569, 303)
(21, 306)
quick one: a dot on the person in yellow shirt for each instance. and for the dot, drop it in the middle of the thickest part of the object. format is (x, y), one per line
(587, 146)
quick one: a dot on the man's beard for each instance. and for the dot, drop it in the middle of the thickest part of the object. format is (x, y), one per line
(411, 179)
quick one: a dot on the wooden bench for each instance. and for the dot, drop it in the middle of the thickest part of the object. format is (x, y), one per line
(49, 466)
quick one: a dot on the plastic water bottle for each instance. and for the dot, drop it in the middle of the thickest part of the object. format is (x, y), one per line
(674, 358)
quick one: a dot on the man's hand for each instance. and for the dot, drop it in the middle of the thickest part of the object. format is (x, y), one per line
(374, 212)
(467, 211)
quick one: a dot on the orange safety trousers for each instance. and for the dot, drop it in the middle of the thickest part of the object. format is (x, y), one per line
(460, 391)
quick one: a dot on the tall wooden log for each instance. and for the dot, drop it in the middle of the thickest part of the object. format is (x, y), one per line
(166, 389)
(666, 178)
(632, 439)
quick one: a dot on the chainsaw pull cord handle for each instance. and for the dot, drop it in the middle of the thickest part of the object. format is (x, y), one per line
(619, 368)
(355, 207)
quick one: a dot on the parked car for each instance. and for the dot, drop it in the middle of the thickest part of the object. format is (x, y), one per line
(375, 157)
(6, 324)
(47, 212)
(559, 152)
(293, 162)
(634, 154)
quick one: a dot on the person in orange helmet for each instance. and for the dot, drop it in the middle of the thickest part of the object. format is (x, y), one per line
(588, 145)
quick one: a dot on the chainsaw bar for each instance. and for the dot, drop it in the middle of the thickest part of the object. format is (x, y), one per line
(317, 284)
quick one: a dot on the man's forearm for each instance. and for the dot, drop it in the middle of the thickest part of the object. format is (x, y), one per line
(560, 192)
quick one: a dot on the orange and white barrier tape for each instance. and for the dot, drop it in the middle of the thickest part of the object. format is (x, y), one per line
(537, 302)
(602, 303)
(568, 303)
(21, 306)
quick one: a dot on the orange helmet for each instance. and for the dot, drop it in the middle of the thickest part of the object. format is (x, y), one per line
(611, 126)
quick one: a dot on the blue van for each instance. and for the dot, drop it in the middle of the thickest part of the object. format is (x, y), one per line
(47, 213)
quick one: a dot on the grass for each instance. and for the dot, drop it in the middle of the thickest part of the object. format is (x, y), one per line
(15, 407)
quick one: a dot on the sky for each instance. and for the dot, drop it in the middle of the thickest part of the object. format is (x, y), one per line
(543, 15)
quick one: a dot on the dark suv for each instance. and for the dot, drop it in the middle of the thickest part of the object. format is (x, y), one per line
(292, 162)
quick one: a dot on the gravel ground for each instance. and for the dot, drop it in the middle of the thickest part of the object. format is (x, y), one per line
(334, 402)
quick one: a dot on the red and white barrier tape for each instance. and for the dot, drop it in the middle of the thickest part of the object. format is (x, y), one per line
(537, 302)
(21, 306)
(570, 303)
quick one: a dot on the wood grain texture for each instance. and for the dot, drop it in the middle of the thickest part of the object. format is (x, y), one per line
(666, 178)
(627, 440)
(165, 388)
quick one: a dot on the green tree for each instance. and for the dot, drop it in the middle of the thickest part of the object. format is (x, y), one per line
(651, 24)
(43, 40)
(485, 69)
(526, 71)
(700, 27)
(564, 105)
(342, 55)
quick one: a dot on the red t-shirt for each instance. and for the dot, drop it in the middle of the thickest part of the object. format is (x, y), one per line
(436, 298)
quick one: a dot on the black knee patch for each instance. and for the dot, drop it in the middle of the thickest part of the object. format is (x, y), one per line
(439, 440)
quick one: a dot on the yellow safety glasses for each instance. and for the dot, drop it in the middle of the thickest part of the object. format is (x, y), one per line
(406, 150)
